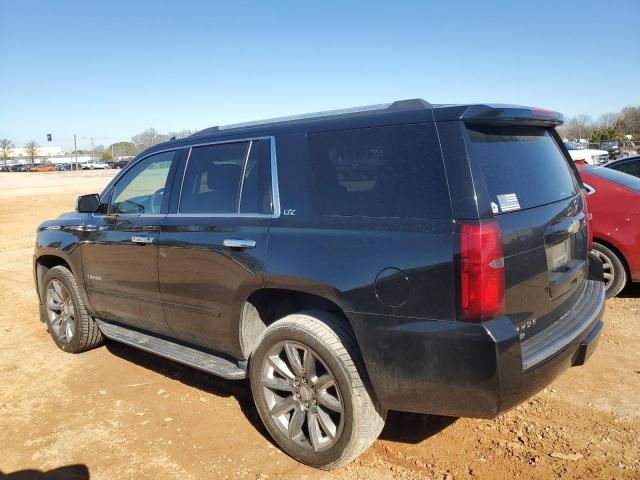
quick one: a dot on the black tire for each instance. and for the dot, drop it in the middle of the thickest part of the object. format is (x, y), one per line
(337, 354)
(86, 334)
(614, 270)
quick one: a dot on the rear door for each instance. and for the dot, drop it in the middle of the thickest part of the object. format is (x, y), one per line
(522, 177)
(213, 243)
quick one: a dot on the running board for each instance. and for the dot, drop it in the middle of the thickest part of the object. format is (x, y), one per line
(173, 351)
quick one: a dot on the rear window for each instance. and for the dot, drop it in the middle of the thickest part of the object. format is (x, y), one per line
(394, 171)
(615, 176)
(522, 167)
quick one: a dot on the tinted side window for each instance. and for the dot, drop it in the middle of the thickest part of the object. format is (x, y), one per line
(632, 167)
(141, 189)
(256, 186)
(380, 172)
(212, 179)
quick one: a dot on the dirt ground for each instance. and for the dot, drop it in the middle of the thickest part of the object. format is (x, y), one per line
(117, 413)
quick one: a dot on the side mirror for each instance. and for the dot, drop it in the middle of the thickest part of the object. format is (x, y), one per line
(88, 203)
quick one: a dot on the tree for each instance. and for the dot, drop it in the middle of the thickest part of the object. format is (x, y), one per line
(106, 156)
(31, 150)
(121, 149)
(607, 133)
(147, 139)
(180, 134)
(577, 127)
(6, 146)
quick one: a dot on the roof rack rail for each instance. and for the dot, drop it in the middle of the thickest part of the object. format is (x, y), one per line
(397, 106)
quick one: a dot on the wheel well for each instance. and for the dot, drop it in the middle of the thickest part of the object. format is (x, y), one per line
(266, 306)
(617, 252)
(44, 264)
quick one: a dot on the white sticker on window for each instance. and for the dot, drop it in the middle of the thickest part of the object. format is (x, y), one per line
(508, 202)
(494, 207)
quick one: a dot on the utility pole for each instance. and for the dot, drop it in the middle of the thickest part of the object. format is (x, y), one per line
(75, 151)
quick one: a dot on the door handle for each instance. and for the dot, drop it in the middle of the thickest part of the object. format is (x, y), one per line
(142, 239)
(238, 243)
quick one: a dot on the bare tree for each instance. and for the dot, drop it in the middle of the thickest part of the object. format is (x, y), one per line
(607, 120)
(148, 138)
(181, 134)
(31, 149)
(577, 127)
(6, 146)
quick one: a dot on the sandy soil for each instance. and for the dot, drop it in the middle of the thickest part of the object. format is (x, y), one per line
(116, 412)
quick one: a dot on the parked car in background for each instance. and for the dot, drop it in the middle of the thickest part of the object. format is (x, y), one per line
(20, 167)
(628, 165)
(120, 164)
(409, 256)
(612, 147)
(588, 155)
(43, 168)
(95, 166)
(614, 203)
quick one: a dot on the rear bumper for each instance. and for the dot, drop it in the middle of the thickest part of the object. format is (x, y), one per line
(471, 370)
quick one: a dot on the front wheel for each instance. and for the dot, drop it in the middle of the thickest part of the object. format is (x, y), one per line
(69, 324)
(615, 275)
(311, 391)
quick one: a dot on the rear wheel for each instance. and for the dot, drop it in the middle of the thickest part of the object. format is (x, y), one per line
(615, 275)
(311, 391)
(69, 324)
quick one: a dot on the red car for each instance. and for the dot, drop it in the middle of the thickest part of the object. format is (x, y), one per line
(614, 203)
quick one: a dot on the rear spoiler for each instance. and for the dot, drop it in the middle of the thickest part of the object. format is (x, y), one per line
(510, 115)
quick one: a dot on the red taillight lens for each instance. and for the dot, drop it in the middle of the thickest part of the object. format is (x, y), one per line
(481, 270)
(587, 214)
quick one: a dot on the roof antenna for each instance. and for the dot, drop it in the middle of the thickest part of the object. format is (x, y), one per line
(172, 138)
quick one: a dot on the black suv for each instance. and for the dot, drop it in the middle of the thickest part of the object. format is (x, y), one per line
(409, 256)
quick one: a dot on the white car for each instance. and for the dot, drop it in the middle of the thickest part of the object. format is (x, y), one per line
(589, 155)
(95, 166)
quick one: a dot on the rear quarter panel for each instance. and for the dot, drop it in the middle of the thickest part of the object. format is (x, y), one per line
(616, 219)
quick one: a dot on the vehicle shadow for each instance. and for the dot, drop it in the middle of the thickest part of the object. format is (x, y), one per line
(399, 427)
(239, 389)
(69, 472)
(632, 290)
(413, 427)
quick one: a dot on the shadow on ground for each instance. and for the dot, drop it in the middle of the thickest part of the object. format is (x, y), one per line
(70, 472)
(632, 290)
(239, 389)
(413, 427)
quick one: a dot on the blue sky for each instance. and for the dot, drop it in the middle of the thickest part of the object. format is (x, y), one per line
(110, 69)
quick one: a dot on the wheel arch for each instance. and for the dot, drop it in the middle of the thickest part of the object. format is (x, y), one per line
(617, 251)
(43, 264)
(266, 305)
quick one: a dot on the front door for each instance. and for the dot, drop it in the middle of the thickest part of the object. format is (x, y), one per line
(120, 248)
(212, 247)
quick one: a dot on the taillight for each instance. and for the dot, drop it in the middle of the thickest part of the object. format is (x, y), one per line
(588, 215)
(481, 270)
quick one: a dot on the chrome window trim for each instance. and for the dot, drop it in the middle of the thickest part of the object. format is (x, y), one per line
(275, 192)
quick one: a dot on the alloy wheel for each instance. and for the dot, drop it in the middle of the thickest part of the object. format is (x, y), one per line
(607, 268)
(302, 396)
(60, 311)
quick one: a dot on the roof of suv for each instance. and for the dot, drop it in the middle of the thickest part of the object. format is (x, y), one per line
(400, 111)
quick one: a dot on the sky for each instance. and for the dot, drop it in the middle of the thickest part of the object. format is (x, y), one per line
(111, 69)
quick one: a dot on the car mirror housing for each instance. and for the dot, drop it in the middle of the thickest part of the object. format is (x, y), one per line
(88, 203)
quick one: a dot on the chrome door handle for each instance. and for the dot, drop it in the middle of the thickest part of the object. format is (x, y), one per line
(142, 239)
(237, 243)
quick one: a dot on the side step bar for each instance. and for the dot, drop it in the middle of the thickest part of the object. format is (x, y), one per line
(173, 351)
